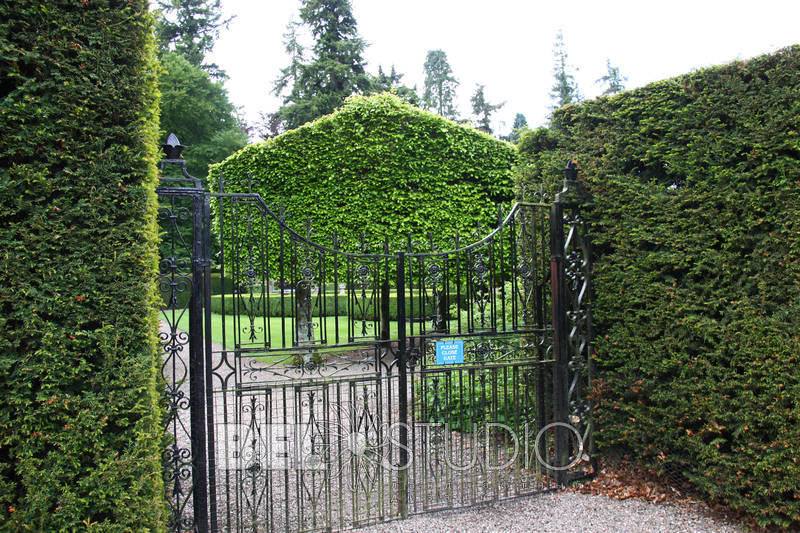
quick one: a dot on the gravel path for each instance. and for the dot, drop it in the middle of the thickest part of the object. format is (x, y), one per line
(565, 511)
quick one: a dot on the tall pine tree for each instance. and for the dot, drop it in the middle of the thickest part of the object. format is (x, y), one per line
(190, 28)
(483, 110)
(565, 89)
(337, 68)
(440, 85)
(291, 74)
(613, 80)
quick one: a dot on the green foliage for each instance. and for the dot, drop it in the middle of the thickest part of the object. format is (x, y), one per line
(440, 85)
(695, 183)
(466, 397)
(391, 83)
(80, 428)
(381, 167)
(542, 162)
(198, 111)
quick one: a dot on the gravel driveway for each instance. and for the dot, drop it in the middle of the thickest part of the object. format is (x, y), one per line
(565, 511)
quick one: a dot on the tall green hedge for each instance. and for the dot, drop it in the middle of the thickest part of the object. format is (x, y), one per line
(80, 428)
(695, 218)
(380, 166)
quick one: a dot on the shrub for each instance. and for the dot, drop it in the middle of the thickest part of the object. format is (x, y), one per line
(80, 428)
(381, 167)
(695, 182)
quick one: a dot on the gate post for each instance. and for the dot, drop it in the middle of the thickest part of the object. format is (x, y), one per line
(559, 317)
(189, 187)
(402, 388)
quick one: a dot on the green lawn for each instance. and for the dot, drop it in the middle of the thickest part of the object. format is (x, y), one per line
(272, 328)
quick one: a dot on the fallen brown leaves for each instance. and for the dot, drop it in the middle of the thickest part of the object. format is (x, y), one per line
(623, 479)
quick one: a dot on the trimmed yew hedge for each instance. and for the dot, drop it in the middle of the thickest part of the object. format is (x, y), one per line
(80, 430)
(379, 166)
(696, 227)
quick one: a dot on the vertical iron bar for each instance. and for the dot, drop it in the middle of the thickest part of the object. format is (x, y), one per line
(536, 220)
(263, 252)
(402, 479)
(351, 306)
(514, 266)
(221, 204)
(196, 373)
(265, 277)
(559, 337)
(339, 453)
(236, 271)
(209, 362)
(458, 285)
(287, 492)
(282, 270)
(336, 284)
(293, 272)
(410, 287)
(503, 278)
(385, 335)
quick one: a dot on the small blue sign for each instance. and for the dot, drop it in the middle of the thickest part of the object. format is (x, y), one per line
(449, 352)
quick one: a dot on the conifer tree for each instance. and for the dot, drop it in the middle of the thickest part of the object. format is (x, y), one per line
(440, 85)
(336, 69)
(613, 80)
(565, 90)
(519, 126)
(483, 110)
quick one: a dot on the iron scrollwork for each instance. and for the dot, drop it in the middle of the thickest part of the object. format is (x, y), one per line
(175, 285)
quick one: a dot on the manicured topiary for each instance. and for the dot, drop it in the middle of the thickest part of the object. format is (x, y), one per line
(381, 167)
(695, 220)
(80, 430)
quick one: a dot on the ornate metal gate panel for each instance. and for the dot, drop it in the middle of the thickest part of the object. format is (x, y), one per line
(476, 421)
(323, 388)
(304, 377)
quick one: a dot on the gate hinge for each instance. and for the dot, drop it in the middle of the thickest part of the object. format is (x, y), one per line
(199, 261)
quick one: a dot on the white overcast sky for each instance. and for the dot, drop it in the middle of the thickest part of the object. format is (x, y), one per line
(507, 45)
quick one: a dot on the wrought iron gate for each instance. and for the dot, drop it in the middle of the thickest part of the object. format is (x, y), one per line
(322, 388)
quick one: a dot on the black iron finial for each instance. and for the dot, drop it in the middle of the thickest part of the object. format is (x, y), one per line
(571, 170)
(172, 148)
(573, 188)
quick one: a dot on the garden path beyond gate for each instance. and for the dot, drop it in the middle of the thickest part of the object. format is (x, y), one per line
(318, 388)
